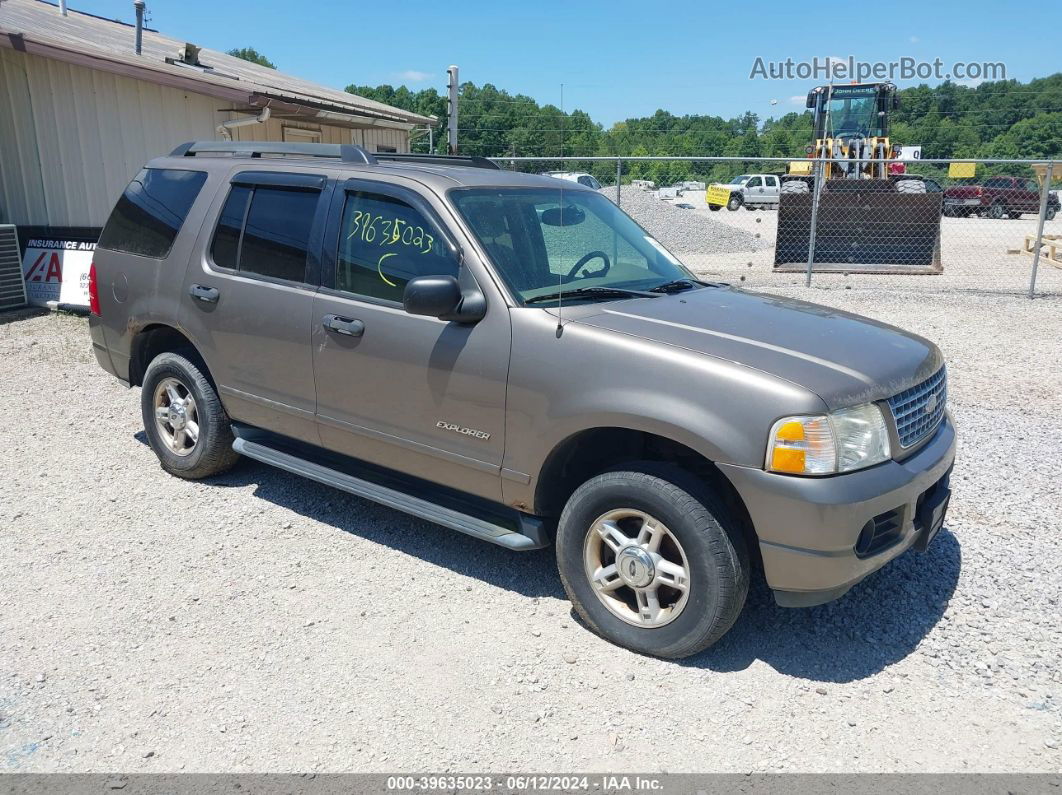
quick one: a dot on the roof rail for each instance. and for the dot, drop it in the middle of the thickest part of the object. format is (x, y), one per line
(438, 160)
(348, 153)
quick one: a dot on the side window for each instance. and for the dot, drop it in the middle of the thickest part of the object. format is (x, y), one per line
(151, 211)
(384, 243)
(1032, 185)
(265, 230)
(755, 182)
(772, 182)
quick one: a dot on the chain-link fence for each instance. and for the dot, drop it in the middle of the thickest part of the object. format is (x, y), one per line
(987, 226)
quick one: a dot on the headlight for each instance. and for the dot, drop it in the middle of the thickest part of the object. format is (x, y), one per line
(825, 444)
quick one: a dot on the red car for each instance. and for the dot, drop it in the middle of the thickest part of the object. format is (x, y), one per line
(997, 197)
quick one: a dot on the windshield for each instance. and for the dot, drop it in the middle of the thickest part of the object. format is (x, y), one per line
(545, 240)
(739, 180)
(853, 116)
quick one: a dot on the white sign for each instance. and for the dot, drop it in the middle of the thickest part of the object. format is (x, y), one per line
(910, 153)
(58, 271)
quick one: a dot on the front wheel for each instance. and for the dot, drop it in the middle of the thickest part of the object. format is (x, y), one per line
(184, 420)
(652, 560)
(997, 210)
(734, 203)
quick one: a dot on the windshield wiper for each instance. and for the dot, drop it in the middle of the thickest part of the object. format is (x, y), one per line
(599, 292)
(675, 285)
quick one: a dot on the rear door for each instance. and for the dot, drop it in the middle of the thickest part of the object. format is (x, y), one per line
(1030, 202)
(248, 296)
(754, 191)
(771, 190)
(411, 393)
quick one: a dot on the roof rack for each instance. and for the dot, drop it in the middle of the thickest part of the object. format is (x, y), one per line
(473, 161)
(348, 153)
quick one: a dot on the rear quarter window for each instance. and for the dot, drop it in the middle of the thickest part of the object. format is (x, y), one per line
(151, 211)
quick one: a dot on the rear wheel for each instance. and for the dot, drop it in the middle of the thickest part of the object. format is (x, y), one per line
(795, 186)
(997, 210)
(1013, 214)
(1050, 214)
(652, 561)
(184, 420)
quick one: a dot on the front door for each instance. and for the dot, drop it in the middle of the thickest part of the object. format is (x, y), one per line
(411, 393)
(754, 190)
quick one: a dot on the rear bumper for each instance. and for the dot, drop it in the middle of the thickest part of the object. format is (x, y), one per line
(809, 528)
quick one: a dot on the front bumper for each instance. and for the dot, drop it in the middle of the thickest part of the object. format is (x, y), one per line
(809, 528)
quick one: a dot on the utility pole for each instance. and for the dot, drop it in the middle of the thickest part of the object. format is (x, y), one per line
(451, 112)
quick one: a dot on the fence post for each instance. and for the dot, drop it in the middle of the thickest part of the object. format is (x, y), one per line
(619, 174)
(1040, 227)
(815, 194)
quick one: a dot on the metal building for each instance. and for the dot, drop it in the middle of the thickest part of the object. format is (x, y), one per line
(81, 111)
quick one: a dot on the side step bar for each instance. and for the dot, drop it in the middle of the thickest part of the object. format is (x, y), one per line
(392, 498)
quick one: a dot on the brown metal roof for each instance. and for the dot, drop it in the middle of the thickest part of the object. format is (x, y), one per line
(38, 27)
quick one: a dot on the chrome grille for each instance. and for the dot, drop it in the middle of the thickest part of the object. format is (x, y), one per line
(918, 410)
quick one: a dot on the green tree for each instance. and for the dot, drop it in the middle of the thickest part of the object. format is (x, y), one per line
(252, 55)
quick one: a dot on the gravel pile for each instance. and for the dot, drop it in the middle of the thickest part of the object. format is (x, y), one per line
(684, 231)
(263, 622)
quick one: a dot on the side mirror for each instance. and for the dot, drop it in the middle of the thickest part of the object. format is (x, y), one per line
(442, 297)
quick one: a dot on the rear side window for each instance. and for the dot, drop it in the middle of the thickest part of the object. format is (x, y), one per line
(265, 231)
(150, 212)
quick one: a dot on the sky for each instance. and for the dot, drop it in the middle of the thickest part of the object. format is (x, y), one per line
(614, 59)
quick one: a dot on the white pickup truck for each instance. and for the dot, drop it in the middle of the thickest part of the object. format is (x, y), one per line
(748, 190)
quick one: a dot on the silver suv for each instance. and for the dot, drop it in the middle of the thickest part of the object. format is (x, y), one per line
(513, 357)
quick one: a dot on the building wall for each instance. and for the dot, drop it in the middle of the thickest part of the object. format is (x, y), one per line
(71, 138)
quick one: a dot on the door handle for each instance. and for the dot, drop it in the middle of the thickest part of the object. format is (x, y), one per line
(208, 295)
(344, 325)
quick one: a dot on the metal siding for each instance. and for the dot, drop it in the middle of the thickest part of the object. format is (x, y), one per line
(94, 130)
(74, 136)
(21, 189)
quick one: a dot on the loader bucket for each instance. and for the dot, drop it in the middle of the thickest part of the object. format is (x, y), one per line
(863, 226)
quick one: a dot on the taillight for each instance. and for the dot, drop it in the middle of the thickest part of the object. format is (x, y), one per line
(979, 191)
(93, 290)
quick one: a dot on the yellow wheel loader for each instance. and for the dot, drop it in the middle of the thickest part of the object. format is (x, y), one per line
(869, 219)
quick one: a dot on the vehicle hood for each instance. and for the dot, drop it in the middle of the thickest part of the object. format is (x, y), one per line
(845, 359)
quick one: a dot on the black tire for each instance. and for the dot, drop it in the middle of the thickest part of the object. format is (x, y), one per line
(211, 453)
(734, 203)
(712, 542)
(1014, 215)
(750, 207)
(997, 210)
(1050, 214)
(714, 208)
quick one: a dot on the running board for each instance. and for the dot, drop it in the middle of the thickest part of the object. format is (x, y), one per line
(465, 523)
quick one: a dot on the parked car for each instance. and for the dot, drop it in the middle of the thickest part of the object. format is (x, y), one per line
(997, 197)
(522, 364)
(576, 176)
(750, 191)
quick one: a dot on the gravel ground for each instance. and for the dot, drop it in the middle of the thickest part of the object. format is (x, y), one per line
(262, 622)
(683, 230)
